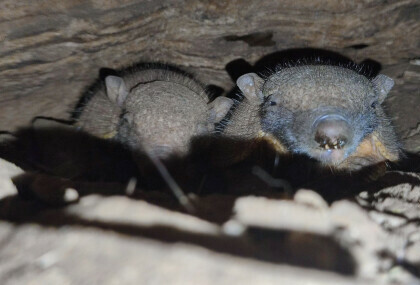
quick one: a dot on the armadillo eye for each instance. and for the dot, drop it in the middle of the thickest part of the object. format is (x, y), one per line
(270, 101)
(373, 105)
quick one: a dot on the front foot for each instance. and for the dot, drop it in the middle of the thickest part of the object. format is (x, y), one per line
(50, 190)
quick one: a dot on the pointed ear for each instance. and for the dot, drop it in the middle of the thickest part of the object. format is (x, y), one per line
(116, 90)
(250, 85)
(383, 84)
(219, 108)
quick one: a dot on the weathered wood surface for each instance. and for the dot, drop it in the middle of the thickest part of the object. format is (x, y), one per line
(50, 51)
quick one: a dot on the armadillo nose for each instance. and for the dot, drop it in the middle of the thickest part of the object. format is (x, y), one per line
(332, 132)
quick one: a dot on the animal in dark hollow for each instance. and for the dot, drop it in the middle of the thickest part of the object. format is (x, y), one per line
(329, 113)
(153, 110)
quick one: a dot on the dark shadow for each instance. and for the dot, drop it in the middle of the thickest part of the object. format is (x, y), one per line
(371, 68)
(297, 56)
(237, 68)
(391, 179)
(214, 91)
(279, 247)
(303, 249)
(358, 46)
(68, 153)
(215, 165)
(105, 71)
(259, 39)
(60, 157)
(412, 268)
(410, 162)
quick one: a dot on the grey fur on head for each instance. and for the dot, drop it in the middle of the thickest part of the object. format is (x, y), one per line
(155, 110)
(325, 112)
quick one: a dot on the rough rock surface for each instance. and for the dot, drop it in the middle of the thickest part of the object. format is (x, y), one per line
(373, 239)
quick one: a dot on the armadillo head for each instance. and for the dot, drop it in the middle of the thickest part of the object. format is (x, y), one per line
(162, 116)
(321, 111)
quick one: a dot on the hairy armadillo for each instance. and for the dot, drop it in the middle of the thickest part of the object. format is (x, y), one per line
(156, 110)
(330, 113)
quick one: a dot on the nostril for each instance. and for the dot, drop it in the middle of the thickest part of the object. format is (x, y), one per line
(332, 133)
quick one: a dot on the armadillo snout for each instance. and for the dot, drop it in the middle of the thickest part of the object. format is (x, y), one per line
(332, 132)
